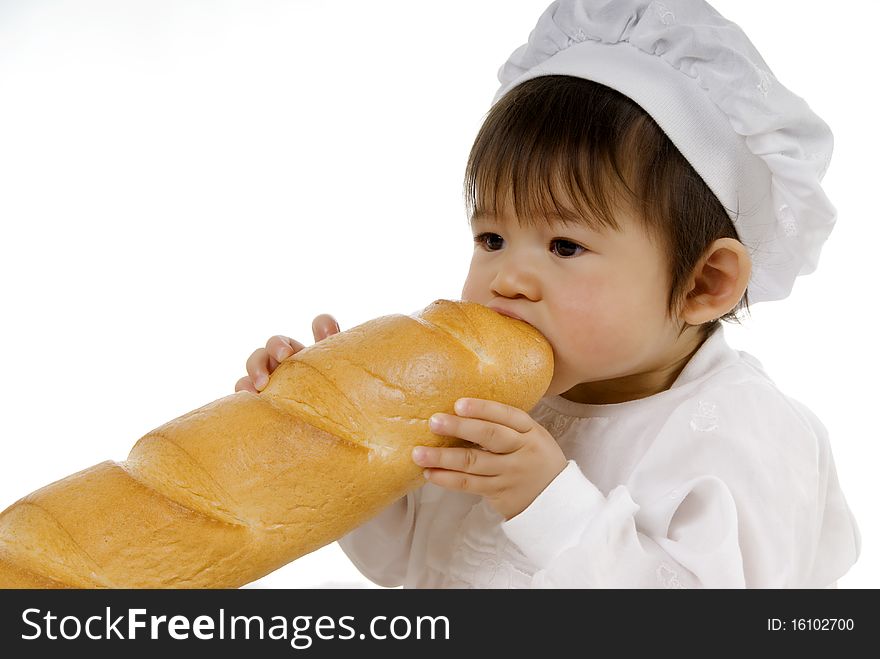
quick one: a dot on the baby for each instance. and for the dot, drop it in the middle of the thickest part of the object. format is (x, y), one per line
(640, 177)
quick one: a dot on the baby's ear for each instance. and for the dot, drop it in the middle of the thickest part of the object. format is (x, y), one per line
(718, 281)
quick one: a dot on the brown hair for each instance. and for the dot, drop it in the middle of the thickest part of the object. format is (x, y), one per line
(562, 134)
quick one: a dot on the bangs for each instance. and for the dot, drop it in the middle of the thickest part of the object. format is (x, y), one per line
(528, 156)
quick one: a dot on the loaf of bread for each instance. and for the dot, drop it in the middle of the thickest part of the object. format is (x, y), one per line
(235, 489)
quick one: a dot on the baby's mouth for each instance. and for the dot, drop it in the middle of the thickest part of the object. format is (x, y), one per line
(506, 312)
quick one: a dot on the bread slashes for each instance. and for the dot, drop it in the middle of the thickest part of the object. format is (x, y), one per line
(237, 488)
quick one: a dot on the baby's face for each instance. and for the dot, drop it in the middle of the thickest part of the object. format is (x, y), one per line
(599, 298)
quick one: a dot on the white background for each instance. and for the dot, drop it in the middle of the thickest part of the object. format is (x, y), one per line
(179, 180)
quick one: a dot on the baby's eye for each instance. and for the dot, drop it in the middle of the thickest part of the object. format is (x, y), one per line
(491, 242)
(565, 248)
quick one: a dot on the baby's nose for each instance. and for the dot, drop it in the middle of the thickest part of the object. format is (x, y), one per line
(516, 278)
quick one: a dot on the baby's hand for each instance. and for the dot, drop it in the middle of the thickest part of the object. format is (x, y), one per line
(263, 361)
(514, 460)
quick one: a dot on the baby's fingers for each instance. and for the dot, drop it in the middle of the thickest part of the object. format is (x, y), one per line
(280, 348)
(323, 326)
(245, 384)
(257, 367)
(263, 361)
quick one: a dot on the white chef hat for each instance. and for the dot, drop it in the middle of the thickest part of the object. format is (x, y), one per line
(758, 146)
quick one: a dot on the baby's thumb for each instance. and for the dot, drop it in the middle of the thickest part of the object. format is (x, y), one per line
(323, 326)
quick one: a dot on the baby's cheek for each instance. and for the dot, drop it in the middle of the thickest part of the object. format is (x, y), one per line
(477, 283)
(598, 338)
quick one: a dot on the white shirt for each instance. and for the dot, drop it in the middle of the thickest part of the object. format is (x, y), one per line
(720, 481)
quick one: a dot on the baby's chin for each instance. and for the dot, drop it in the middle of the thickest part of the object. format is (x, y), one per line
(558, 388)
(563, 383)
